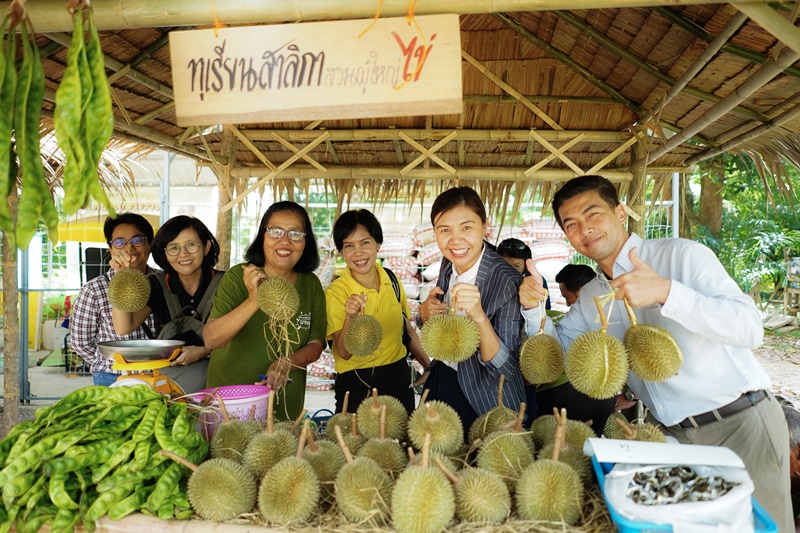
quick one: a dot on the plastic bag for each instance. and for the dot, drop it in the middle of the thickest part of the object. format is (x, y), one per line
(731, 512)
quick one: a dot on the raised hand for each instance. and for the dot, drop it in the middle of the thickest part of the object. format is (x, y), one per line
(642, 286)
(531, 290)
(120, 260)
(354, 304)
(432, 306)
(253, 276)
(468, 299)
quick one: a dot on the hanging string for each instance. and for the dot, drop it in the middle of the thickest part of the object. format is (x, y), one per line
(374, 19)
(217, 23)
(412, 5)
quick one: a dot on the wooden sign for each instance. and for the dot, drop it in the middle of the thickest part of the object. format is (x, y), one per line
(317, 71)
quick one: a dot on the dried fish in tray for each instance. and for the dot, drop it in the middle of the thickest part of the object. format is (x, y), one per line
(675, 484)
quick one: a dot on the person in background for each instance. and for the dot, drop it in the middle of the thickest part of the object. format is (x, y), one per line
(180, 296)
(367, 288)
(243, 346)
(560, 393)
(721, 394)
(484, 287)
(792, 416)
(91, 320)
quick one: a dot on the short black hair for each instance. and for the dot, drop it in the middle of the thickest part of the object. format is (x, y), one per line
(514, 248)
(134, 219)
(456, 197)
(793, 422)
(574, 277)
(583, 184)
(347, 223)
(170, 230)
(309, 261)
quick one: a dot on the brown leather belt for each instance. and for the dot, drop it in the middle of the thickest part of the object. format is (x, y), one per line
(748, 399)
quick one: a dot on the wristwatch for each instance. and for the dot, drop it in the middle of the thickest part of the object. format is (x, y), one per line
(630, 396)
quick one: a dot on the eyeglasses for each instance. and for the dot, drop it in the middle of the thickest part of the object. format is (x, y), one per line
(507, 246)
(278, 233)
(174, 250)
(121, 242)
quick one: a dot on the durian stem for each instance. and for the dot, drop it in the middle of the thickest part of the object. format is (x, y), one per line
(563, 442)
(225, 416)
(411, 456)
(300, 418)
(543, 312)
(424, 396)
(253, 412)
(178, 459)
(426, 450)
(303, 438)
(629, 432)
(270, 416)
(354, 425)
(629, 309)
(346, 400)
(451, 476)
(383, 423)
(561, 430)
(209, 398)
(345, 450)
(312, 443)
(500, 390)
(432, 414)
(375, 404)
(601, 311)
(520, 417)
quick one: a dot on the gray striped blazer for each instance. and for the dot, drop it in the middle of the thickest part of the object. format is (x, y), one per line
(498, 283)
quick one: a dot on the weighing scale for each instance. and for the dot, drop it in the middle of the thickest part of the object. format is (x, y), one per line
(142, 359)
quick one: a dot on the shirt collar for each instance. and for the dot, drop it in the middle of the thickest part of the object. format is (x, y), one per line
(622, 263)
(470, 275)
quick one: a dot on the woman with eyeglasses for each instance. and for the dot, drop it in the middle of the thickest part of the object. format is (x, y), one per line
(478, 283)
(91, 322)
(180, 296)
(237, 331)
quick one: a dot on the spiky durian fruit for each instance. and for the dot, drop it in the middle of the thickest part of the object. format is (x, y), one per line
(451, 338)
(369, 416)
(597, 364)
(326, 459)
(441, 422)
(278, 299)
(572, 456)
(542, 430)
(289, 492)
(549, 490)
(541, 359)
(577, 432)
(507, 452)
(481, 496)
(128, 290)
(647, 432)
(613, 430)
(265, 450)
(342, 419)
(493, 419)
(654, 353)
(385, 452)
(231, 438)
(221, 489)
(363, 336)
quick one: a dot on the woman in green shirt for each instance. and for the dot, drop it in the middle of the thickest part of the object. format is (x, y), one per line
(243, 346)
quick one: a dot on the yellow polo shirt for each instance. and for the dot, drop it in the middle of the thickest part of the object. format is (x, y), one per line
(383, 305)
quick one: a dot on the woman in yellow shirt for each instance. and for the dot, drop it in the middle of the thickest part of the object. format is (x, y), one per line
(366, 285)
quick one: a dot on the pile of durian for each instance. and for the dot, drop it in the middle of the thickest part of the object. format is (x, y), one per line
(379, 467)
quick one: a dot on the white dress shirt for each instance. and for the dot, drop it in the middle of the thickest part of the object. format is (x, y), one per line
(715, 324)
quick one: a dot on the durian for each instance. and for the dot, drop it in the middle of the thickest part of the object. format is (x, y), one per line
(422, 499)
(541, 357)
(441, 422)
(293, 427)
(290, 490)
(493, 419)
(219, 489)
(481, 496)
(641, 431)
(654, 353)
(386, 452)
(363, 336)
(597, 364)
(354, 440)
(369, 416)
(341, 419)
(506, 452)
(128, 290)
(363, 489)
(266, 449)
(278, 299)
(451, 338)
(550, 490)
(326, 458)
(231, 438)
(613, 430)
(570, 454)
(543, 431)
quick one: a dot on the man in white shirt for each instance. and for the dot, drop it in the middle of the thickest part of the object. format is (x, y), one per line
(720, 395)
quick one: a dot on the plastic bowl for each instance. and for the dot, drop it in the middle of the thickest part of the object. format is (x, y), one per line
(238, 400)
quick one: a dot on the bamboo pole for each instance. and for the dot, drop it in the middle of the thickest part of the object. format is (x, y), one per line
(155, 113)
(51, 16)
(773, 114)
(711, 50)
(391, 134)
(677, 19)
(10, 330)
(225, 193)
(640, 63)
(749, 136)
(542, 99)
(758, 79)
(638, 183)
(773, 22)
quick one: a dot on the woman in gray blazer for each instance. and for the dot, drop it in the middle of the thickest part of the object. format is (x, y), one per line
(485, 288)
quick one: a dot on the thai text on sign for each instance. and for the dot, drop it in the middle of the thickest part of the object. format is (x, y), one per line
(317, 71)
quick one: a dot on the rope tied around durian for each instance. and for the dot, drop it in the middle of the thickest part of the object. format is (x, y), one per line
(631, 314)
(542, 313)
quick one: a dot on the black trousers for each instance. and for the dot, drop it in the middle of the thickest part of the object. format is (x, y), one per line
(443, 385)
(578, 405)
(391, 380)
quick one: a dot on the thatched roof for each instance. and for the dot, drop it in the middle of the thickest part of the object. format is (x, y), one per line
(592, 71)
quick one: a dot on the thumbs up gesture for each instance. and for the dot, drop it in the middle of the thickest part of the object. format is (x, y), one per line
(642, 286)
(531, 290)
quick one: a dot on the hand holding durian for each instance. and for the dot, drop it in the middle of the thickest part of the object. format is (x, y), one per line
(364, 333)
